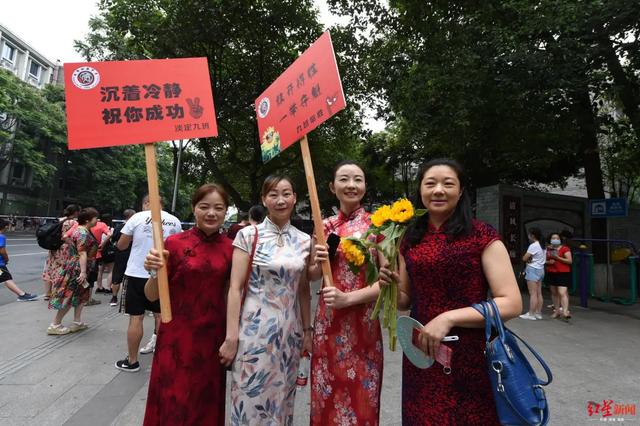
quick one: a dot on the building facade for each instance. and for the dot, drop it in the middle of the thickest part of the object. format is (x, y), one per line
(17, 194)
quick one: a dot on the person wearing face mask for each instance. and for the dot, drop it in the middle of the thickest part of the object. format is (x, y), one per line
(449, 261)
(268, 332)
(188, 383)
(558, 268)
(534, 273)
(346, 370)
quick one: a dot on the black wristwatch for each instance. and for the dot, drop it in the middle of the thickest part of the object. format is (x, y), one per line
(310, 328)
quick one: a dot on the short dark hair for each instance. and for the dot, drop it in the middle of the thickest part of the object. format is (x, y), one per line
(70, 210)
(128, 213)
(460, 222)
(106, 218)
(272, 181)
(3, 224)
(243, 216)
(536, 232)
(207, 189)
(146, 198)
(257, 213)
(86, 215)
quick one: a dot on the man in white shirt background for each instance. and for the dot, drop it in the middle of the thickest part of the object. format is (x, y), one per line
(139, 231)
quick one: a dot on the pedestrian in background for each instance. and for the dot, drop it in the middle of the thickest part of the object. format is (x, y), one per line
(120, 260)
(534, 273)
(138, 231)
(70, 287)
(243, 220)
(5, 275)
(105, 264)
(558, 269)
(188, 381)
(54, 261)
(257, 214)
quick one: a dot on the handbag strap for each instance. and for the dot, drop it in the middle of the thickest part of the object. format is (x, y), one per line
(248, 275)
(487, 309)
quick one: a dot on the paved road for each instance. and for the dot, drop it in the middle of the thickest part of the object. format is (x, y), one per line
(26, 260)
(70, 380)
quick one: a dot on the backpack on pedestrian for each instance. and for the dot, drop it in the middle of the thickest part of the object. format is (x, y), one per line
(49, 235)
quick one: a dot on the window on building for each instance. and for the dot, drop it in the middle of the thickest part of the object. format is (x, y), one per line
(18, 173)
(9, 53)
(34, 70)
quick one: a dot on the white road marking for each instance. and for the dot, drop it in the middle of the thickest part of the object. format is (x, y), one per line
(27, 254)
(21, 245)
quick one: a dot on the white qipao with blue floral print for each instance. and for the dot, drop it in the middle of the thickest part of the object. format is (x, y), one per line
(264, 371)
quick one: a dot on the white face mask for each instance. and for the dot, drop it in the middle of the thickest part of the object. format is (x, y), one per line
(556, 242)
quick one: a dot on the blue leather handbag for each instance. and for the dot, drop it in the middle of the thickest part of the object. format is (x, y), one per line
(518, 392)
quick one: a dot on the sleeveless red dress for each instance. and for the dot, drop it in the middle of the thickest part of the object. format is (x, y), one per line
(445, 274)
(187, 384)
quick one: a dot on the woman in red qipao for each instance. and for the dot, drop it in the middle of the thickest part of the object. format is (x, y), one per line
(187, 384)
(448, 262)
(346, 371)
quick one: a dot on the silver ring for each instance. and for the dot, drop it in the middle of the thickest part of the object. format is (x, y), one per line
(153, 273)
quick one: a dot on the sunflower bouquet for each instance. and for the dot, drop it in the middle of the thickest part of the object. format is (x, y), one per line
(389, 223)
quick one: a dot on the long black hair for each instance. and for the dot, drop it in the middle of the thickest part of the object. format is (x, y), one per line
(460, 222)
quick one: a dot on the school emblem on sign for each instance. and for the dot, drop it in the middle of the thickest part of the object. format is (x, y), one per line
(263, 107)
(270, 144)
(85, 78)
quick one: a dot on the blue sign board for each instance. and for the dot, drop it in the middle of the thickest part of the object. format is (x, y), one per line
(610, 207)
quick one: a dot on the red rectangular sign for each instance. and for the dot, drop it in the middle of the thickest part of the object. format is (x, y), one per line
(131, 102)
(302, 98)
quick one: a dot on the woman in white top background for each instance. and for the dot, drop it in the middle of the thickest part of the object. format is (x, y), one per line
(535, 258)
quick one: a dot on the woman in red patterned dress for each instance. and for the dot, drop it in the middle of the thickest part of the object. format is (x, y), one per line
(187, 384)
(346, 371)
(448, 262)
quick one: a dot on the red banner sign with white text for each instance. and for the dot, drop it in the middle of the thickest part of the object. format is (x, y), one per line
(303, 97)
(133, 102)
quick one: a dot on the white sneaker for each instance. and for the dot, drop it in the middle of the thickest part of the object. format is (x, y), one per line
(538, 316)
(150, 346)
(528, 316)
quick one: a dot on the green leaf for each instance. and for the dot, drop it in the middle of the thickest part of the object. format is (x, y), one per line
(371, 274)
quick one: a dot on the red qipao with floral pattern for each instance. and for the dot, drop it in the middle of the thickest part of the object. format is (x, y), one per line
(346, 370)
(187, 384)
(445, 273)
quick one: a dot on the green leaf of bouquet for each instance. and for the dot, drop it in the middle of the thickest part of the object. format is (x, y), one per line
(420, 212)
(371, 274)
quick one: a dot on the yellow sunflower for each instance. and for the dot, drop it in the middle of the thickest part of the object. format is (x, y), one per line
(402, 211)
(381, 216)
(352, 252)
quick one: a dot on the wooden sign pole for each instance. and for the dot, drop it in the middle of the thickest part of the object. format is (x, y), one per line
(156, 223)
(315, 207)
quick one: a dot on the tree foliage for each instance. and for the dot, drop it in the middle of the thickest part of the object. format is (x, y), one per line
(34, 125)
(248, 44)
(513, 88)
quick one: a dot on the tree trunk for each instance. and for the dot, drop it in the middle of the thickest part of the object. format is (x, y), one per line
(592, 166)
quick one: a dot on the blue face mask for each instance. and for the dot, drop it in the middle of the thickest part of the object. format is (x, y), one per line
(556, 242)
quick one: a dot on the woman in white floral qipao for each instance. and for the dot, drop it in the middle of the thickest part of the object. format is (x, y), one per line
(267, 334)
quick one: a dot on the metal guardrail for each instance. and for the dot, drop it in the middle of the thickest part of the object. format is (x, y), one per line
(584, 272)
